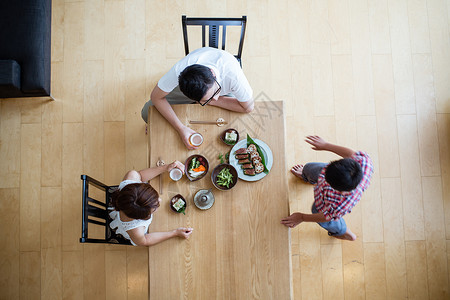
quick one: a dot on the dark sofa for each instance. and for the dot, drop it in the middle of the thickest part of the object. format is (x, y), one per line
(25, 43)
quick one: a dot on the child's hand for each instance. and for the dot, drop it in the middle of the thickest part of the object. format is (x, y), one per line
(293, 220)
(175, 164)
(317, 142)
(184, 232)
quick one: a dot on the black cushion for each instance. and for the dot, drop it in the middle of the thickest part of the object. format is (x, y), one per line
(25, 30)
(9, 78)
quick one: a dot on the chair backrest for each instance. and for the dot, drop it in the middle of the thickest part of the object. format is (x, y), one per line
(95, 211)
(214, 25)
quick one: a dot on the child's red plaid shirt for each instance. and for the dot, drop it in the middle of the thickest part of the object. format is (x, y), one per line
(335, 204)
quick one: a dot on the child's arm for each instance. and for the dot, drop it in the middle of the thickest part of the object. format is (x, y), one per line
(150, 173)
(298, 217)
(141, 238)
(320, 144)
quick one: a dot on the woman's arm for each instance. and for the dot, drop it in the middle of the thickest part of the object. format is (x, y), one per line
(140, 238)
(147, 174)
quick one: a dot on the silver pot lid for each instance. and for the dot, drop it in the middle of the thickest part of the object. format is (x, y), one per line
(204, 199)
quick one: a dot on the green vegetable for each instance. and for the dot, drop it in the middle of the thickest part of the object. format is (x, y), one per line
(224, 159)
(197, 164)
(230, 142)
(224, 178)
(251, 141)
(192, 164)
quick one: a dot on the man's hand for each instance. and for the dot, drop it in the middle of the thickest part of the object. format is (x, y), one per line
(185, 132)
(317, 142)
(293, 220)
(248, 106)
(232, 104)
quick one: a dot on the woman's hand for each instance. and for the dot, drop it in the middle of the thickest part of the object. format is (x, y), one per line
(293, 220)
(317, 142)
(185, 133)
(175, 164)
(184, 232)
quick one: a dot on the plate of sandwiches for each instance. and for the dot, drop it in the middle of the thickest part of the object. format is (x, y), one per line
(248, 160)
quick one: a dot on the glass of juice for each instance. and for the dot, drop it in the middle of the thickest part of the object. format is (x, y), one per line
(175, 174)
(196, 139)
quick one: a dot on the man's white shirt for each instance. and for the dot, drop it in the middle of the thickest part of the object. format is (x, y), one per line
(225, 66)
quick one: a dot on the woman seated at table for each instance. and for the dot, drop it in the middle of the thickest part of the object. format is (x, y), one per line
(134, 204)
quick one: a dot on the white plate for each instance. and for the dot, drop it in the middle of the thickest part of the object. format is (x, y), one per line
(266, 152)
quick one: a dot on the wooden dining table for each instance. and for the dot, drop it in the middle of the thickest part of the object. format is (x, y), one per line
(238, 249)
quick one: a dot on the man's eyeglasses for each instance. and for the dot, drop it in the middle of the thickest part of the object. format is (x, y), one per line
(217, 92)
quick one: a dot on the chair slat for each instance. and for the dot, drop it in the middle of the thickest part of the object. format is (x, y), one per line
(203, 36)
(97, 222)
(96, 202)
(92, 181)
(96, 212)
(224, 36)
(213, 36)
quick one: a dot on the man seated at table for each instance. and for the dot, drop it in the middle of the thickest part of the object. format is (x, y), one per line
(205, 76)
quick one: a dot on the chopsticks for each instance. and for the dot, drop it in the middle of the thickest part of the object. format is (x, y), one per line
(159, 163)
(219, 122)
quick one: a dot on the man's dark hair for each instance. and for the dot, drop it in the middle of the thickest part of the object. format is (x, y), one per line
(195, 81)
(344, 174)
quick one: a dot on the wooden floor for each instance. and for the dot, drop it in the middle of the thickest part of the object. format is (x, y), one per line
(370, 74)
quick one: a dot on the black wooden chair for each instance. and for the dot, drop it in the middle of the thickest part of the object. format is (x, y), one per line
(95, 211)
(214, 25)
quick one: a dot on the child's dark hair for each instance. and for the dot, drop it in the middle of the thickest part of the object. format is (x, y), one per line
(344, 174)
(195, 80)
(136, 200)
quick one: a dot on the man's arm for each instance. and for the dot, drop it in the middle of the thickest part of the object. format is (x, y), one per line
(230, 103)
(320, 144)
(159, 100)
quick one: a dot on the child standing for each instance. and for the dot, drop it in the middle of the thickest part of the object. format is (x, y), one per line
(338, 187)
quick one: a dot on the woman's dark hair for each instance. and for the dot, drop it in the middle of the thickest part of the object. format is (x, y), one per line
(344, 174)
(136, 200)
(195, 81)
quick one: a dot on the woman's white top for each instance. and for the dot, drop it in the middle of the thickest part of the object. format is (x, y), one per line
(122, 227)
